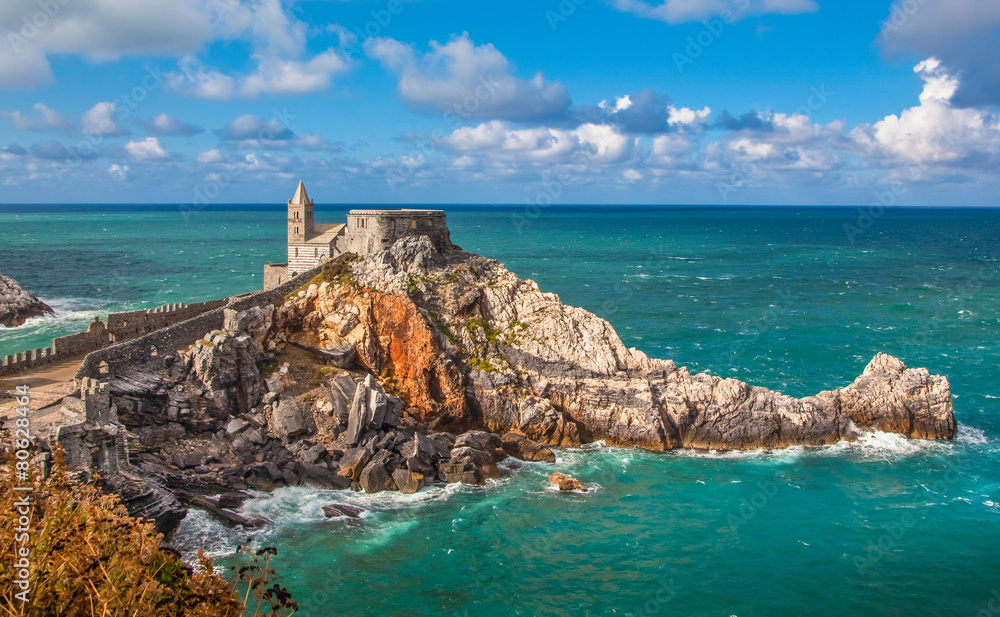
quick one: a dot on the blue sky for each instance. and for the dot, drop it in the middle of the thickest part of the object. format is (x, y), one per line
(441, 101)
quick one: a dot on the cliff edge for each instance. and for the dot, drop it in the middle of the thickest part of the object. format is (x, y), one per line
(467, 344)
(17, 305)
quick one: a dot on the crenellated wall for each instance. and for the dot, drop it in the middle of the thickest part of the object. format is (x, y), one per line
(120, 327)
(171, 338)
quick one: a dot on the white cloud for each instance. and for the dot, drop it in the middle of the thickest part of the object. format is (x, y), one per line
(682, 11)
(250, 132)
(934, 131)
(962, 33)
(26, 67)
(100, 29)
(291, 77)
(467, 81)
(47, 119)
(118, 172)
(209, 156)
(162, 124)
(101, 120)
(148, 149)
(688, 117)
(586, 144)
(278, 41)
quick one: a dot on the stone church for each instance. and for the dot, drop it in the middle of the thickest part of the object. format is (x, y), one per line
(366, 232)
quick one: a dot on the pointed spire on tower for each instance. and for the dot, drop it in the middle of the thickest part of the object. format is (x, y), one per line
(300, 197)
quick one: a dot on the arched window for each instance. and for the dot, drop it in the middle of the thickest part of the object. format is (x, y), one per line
(296, 214)
(296, 229)
(296, 251)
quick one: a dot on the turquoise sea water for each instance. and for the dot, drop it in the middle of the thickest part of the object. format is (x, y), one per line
(784, 298)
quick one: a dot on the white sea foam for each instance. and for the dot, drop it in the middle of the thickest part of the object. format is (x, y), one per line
(199, 530)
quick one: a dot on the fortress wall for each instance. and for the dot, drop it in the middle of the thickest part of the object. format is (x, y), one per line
(120, 327)
(381, 228)
(179, 335)
(274, 275)
(129, 325)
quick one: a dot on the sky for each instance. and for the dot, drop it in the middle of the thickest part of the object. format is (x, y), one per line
(720, 102)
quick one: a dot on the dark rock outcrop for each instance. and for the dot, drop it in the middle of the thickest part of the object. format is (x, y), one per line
(17, 305)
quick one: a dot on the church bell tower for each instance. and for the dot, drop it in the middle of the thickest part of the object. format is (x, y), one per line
(300, 216)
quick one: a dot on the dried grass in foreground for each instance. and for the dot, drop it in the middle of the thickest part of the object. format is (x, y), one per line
(90, 558)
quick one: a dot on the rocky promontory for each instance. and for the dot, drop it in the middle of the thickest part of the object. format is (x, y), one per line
(467, 344)
(414, 367)
(17, 305)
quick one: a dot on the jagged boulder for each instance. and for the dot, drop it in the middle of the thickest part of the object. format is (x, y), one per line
(17, 305)
(353, 462)
(342, 391)
(371, 408)
(407, 482)
(520, 447)
(377, 474)
(289, 419)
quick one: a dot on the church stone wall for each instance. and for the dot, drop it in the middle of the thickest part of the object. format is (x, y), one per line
(370, 231)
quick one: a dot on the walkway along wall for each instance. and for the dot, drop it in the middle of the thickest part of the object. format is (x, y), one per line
(179, 335)
(120, 327)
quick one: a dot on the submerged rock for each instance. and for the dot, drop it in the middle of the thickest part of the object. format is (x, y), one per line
(566, 483)
(342, 509)
(17, 305)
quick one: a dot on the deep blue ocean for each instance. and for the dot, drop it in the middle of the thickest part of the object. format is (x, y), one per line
(795, 299)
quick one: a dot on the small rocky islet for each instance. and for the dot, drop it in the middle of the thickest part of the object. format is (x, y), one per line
(414, 367)
(17, 306)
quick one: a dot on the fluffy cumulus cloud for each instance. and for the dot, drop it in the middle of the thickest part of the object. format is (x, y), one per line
(682, 11)
(588, 143)
(644, 139)
(148, 149)
(44, 119)
(644, 112)
(248, 132)
(99, 29)
(963, 34)
(102, 119)
(108, 29)
(935, 131)
(281, 64)
(468, 81)
(164, 125)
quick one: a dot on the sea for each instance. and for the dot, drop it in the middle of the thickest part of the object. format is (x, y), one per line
(798, 299)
